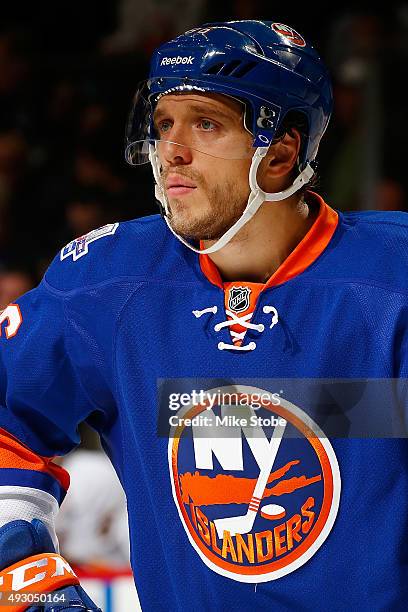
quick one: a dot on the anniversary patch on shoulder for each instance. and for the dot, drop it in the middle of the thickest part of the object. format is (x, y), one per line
(79, 247)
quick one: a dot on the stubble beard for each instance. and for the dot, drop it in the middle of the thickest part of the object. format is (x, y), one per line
(225, 205)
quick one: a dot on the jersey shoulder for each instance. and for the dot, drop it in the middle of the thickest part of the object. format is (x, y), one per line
(372, 246)
(391, 219)
(142, 248)
(383, 227)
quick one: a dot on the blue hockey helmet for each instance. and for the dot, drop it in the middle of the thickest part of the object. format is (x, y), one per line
(267, 65)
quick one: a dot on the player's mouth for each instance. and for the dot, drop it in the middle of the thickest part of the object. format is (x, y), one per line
(178, 186)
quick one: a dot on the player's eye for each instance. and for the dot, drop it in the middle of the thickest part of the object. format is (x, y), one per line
(207, 125)
(163, 126)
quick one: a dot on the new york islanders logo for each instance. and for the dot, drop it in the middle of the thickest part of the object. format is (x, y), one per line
(289, 33)
(258, 503)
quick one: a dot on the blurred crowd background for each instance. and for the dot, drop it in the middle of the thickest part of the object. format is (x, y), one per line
(68, 72)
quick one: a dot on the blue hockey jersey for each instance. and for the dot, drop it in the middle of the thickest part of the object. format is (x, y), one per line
(284, 518)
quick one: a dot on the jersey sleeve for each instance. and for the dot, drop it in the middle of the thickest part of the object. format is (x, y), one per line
(42, 399)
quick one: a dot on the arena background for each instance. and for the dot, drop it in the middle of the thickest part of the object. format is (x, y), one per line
(68, 71)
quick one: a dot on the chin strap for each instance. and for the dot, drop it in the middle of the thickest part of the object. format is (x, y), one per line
(255, 199)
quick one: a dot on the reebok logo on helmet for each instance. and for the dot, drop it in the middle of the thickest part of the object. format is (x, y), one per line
(174, 61)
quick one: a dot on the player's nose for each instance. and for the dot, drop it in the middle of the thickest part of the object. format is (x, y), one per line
(175, 149)
(175, 153)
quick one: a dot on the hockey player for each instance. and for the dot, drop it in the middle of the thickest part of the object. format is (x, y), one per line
(257, 280)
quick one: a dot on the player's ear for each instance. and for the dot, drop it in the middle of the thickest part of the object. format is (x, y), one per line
(280, 159)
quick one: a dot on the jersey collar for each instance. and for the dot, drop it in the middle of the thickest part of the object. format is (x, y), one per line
(306, 252)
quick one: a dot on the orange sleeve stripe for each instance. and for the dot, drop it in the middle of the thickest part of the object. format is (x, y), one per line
(14, 454)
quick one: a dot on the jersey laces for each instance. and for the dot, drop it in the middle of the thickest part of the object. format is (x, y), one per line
(244, 321)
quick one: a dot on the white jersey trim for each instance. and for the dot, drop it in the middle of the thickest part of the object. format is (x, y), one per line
(26, 503)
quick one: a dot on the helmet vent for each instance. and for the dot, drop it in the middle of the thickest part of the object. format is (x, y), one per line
(215, 68)
(235, 68)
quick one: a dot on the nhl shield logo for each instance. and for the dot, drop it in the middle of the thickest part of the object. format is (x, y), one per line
(238, 299)
(258, 505)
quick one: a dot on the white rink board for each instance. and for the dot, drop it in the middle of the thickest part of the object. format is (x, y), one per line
(116, 595)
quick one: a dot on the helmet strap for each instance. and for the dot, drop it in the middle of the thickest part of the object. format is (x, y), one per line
(255, 199)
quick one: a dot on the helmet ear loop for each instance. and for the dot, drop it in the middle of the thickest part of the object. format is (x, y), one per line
(302, 179)
(253, 171)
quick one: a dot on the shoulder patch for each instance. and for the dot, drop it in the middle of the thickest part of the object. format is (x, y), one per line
(79, 247)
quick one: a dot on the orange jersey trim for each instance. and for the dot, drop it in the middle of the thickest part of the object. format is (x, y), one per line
(306, 252)
(209, 269)
(14, 454)
(35, 575)
(310, 247)
(11, 314)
